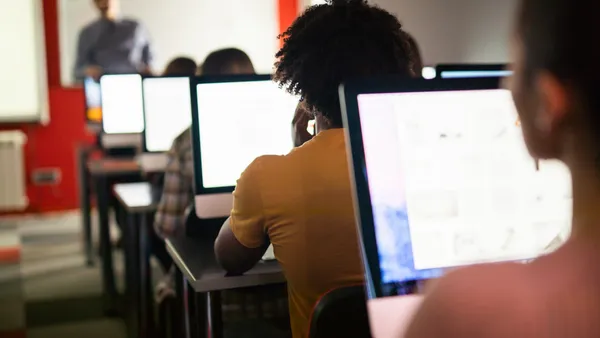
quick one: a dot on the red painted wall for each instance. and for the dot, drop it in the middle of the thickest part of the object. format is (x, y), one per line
(54, 145)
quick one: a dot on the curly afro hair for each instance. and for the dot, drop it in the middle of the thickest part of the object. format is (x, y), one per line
(335, 42)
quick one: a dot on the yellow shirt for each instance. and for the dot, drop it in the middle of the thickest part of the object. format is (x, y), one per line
(303, 202)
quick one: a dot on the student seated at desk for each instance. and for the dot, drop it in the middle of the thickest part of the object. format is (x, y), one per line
(302, 202)
(555, 89)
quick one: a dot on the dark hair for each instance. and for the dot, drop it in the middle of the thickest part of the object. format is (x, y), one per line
(559, 36)
(227, 61)
(418, 59)
(333, 43)
(181, 66)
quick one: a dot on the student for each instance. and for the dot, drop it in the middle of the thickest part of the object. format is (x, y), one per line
(178, 191)
(556, 94)
(181, 66)
(302, 202)
(112, 45)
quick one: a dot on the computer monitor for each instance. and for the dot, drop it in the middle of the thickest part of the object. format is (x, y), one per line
(460, 71)
(235, 120)
(122, 104)
(442, 178)
(167, 111)
(93, 100)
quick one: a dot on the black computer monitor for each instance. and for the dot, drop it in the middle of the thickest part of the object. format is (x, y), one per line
(442, 178)
(235, 120)
(458, 71)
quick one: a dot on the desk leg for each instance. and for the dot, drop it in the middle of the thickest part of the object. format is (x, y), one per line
(146, 304)
(131, 251)
(214, 318)
(108, 274)
(85, 204)
(181, 313)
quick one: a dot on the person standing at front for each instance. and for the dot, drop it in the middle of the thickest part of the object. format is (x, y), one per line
(112, 45)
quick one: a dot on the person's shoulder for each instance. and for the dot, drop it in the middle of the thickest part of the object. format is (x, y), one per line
(477, 300)
(90, 27)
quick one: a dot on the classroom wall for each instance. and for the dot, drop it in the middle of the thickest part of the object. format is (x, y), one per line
(53, 145)
(457, 31)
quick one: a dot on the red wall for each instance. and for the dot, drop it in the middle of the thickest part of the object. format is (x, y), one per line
(53, 145)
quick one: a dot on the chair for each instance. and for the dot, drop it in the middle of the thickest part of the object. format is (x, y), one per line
(341, 312)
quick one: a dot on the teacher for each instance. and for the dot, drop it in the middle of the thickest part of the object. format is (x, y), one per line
(112, 45)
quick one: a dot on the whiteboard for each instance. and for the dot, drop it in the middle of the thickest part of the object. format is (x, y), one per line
(191, 28)
(23, 81)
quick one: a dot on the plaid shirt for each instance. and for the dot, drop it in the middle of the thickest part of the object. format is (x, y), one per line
(178, 192)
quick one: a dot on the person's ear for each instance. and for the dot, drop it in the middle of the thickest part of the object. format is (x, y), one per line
(553, 104)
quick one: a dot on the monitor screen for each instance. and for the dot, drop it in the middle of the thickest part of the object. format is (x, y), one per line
(167, 111)
(238, 122)
(122, 104)
(451, 183)
(93, 100)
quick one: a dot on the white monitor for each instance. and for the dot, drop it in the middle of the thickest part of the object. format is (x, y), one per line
(235, 121)
(167, 111)
(122, 104)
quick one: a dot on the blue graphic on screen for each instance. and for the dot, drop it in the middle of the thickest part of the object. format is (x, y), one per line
(462, 74)
(395, 247)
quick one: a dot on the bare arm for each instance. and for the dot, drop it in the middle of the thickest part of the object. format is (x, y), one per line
(234, 257)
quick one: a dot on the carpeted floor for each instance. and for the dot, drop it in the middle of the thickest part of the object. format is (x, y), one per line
(45, 288)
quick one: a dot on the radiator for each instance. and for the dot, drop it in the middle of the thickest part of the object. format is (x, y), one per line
(13, 193)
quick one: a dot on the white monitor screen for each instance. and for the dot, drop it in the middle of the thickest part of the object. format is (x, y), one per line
(452, 183)
(167, 111)
(240, 121)
(122, 104)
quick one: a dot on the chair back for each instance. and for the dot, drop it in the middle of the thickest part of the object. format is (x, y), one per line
(341, 312)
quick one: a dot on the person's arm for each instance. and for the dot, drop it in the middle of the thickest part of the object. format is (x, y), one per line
(147, 51)
(300, 134)
(243, 240)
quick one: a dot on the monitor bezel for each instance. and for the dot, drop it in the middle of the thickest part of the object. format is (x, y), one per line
(144, 78)
(469, 67)
(196, 144)
(103, 111)
(349, 93)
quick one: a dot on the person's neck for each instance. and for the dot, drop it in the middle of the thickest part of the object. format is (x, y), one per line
(110, 16)
(585, 178)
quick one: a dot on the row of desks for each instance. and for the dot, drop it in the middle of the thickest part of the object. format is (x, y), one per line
(199, 275)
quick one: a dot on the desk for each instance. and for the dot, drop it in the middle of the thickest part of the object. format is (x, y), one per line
(136, 199)
(196, 262)
(100, 172)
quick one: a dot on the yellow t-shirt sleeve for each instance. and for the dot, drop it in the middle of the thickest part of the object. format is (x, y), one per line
(247, 218)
